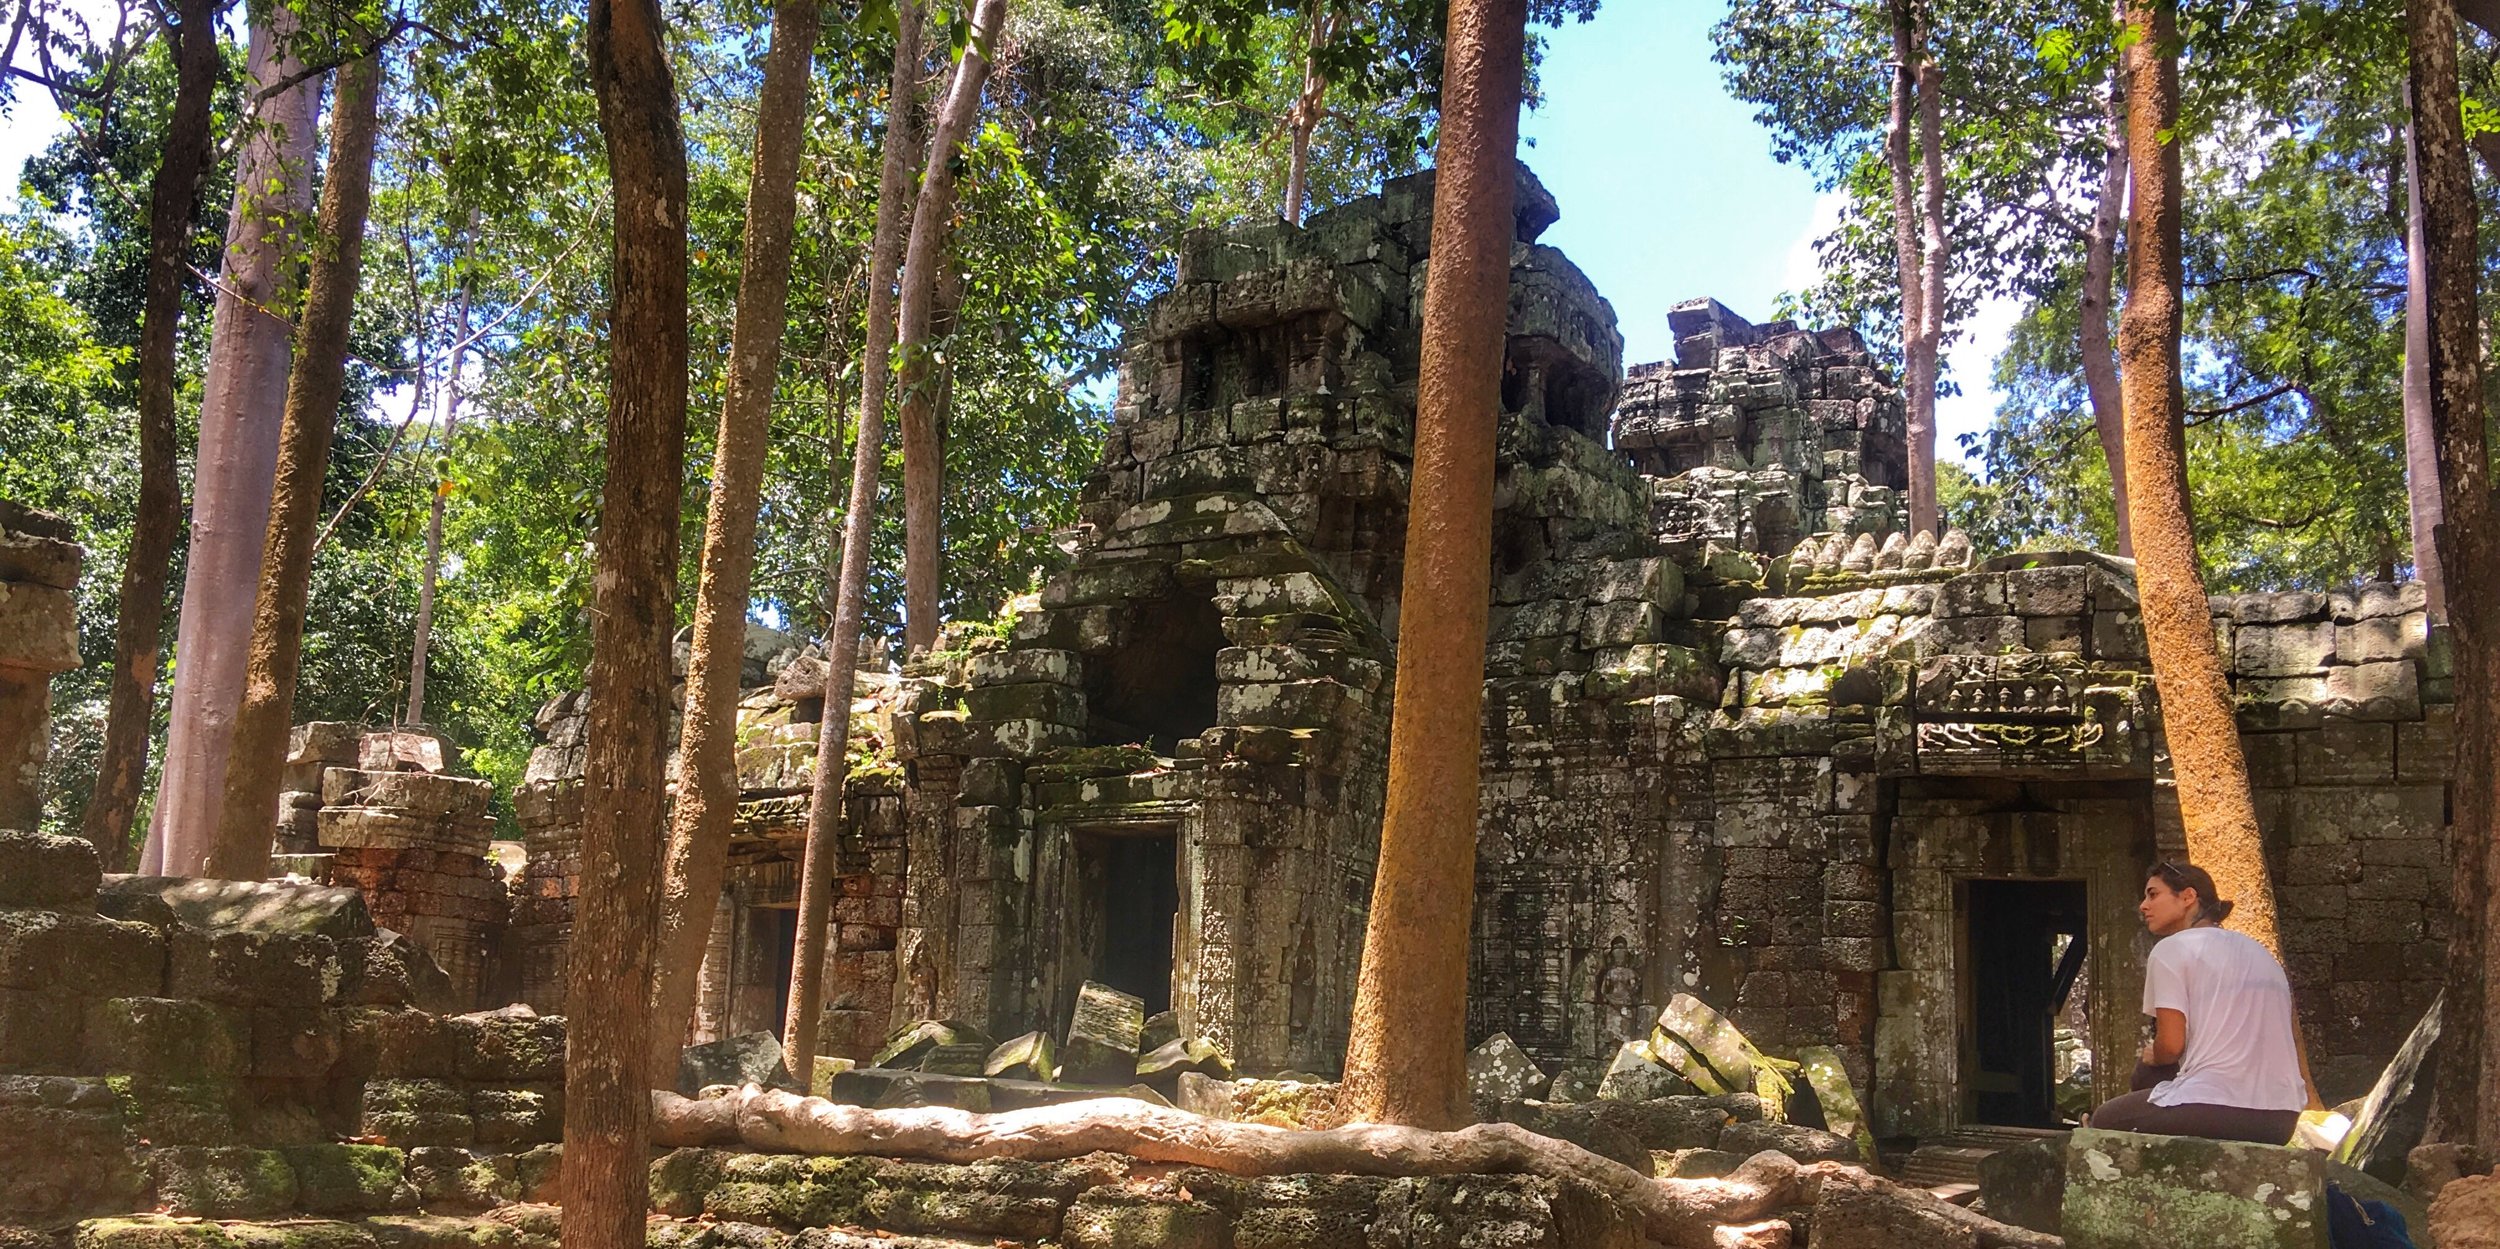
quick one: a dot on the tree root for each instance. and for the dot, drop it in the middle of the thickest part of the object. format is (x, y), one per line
(1991, 1233)
(1729, 1213)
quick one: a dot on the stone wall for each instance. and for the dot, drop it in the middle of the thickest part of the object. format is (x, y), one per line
(39, 563)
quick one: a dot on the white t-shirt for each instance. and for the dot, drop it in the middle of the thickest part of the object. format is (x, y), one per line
(2240, 1049)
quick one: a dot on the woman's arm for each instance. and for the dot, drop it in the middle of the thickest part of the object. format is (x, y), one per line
(2169, 1038)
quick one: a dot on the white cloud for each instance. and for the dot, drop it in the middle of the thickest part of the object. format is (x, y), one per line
(1971, 363)
(1803, 268)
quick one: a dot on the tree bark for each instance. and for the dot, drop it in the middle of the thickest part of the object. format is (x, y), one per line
(140, 622)
(924, 470)
(1906, 245)
(427, 587)
(1680, 1212)
(607, 1106)
(242, 402)
(1304, 116)
(1406, 1058)
(248, 819)
(707, 788)
(2422, 484)
(850, 571)
(1935, 258)
(2466, 1096)
(2196, 712)
(2100, 266)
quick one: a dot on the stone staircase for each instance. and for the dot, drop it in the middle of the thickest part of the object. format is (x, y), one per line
(1951, 1161)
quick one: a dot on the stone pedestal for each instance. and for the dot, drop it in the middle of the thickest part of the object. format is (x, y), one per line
(39, 562)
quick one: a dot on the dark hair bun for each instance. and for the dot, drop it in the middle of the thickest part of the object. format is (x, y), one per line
(2221, 911)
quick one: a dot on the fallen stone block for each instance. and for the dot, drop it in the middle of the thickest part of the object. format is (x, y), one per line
(908, 1045)
(1802, 1143)
(748, 1058)
(2127, 1190)
(1499, 1071)
(1028, 1057)
(2397, 1109)
(1583, 1126)
(2026, 1185)
(1636, 1076)
(258, 906)
(961, 1059)
(1101, 1046)
(1165, 1065)
(1842, 1113)
(1875, 1216)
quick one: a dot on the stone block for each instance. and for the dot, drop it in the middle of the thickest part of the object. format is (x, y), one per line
(2063, 591)
(350, 1179)
(251, 968)
(983, 1200)
(1119, 1218)
(2125, 1190)
(2374, 639)
(456, 1179)
(274, 906)
(1973, 594)
(1582, 1125)
(166, 1039)
(62, 1152)
(81, 954)
(2026, 1185)
(518, 1114)
(1102, 1037)
(1802, 1143)
(1031, 664)
(2274, 607)
(409, 1113)
(40, 623)
(1636, 1075)
(2375, 691)
(2281, 650)
(222, 1183)
(510, 1045)
(1499, 1071)
(2346, 752)
(42, 870)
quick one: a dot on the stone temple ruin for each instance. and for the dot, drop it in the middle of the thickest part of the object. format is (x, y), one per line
(1743, 739)
(1872, 796)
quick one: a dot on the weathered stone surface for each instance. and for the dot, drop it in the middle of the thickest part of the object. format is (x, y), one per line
(509, 1044)
(226, 1183)
(906, 1046)
(62, 1152)
(270, 907)
(1576, 1080)
(350, 1179)
(1828, 1077)
(2397, 1108)
(410, 1113)
(1708, 1033)
(1102, 1036)
(1583, 1126)
(1028, 1057)
(42, 870)
(1873, 1216)
(1635, 1076)
(2466, 1214)
(1499, 1071)
(1167, 1062)
(2026, 1185)
(1801, 1143)
(2126, 1189)
(748, 1058)
(167, 1039)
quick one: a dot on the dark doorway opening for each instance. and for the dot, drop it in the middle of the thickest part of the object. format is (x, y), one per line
(1159, 686)
(2027, 940)
(779, 929)
(1129, 886)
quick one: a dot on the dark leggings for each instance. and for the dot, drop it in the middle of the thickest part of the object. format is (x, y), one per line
(2135, 1112)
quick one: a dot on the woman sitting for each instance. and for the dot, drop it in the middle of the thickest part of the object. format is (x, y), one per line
(2224, 1062)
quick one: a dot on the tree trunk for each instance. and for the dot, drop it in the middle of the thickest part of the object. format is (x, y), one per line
(427, 588)
(140, 622)
(2196, 713)
(249, 816)
(850, 589)
(1304, 116)
(1406, 1059)
(242, 402)
(1934, 260)
(1905, 228)
(2422, 484)
(2467, 1094)
(924, 472)
(2100, 265)
(707, 788)
(607, 1105)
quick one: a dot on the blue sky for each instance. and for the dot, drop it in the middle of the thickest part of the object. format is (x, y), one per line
(1667, 185)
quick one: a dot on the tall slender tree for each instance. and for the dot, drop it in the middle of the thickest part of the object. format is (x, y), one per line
(1909, 245)
(242, 402)
(2100, 267)
(607, 1105)
(850, 569)
(1406, 1058)
(2424, 507)
(924, 469)
(707, 789)
(2197, 717)
(139, 624)
(248, 819)
(1309, 106)
(1925, 353)
(2466, 1096)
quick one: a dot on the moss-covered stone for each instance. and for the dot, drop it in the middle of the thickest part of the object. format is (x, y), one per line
(682, 1178)
(541, 1173)
(224, 1182)
(350, 1179)
(2126, 1189)
(409, 1113)
(459, 1180)
(150, 1231)
(302, 1234)
(166, 1038)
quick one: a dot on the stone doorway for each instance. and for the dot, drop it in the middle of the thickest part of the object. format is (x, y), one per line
(1128, 905)
(2028, 942)
(1968, 857)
